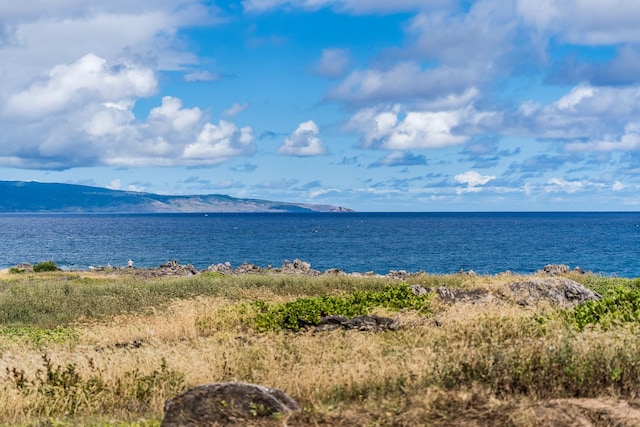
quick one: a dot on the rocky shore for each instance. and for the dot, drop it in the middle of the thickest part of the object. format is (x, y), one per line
(297, 267)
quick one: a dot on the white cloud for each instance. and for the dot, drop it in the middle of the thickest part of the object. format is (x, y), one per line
(202, 76)
(172, 113)
(562, 185)
(473, 179)
(584, 22)
(405, 80)
(115, 184)
(303, 141)
(333, 63)
(216, 144)
(396, 129)
(477, 38)
(585, 113)
(618, 186)
(629, 141)
(89, 79)
(96, 102)
(144, 31)
(350, 6)
(575, 97)
(235, 109)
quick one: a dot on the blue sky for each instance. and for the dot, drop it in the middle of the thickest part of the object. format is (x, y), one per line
(410, 105)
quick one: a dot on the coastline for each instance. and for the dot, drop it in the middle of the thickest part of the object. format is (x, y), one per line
(172, 268)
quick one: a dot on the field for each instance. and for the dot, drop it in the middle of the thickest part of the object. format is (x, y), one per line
(80, 348)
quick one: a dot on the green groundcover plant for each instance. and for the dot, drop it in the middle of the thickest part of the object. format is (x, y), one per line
(303, 312)
(617, 306)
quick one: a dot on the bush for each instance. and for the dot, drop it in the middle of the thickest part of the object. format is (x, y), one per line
(45, 266)
(620, 305)
(303, 312)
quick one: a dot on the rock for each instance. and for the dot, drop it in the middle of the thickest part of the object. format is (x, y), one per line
(419, 290)
(555, 269)
(334, 272)
(221, 268)
(298, 267)
(462, 295)
(398, 274)
(368, 322)
(246, 268)
(24, 267)
(227, 403)
(559, 291)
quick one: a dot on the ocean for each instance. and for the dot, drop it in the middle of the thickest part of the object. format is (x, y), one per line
(487, 243)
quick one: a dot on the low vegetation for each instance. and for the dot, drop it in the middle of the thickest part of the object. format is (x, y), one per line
(83, 349)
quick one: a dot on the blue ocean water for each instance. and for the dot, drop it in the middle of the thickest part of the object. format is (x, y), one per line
(488, 243)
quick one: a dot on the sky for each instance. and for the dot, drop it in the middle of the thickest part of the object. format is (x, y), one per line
(375, 105)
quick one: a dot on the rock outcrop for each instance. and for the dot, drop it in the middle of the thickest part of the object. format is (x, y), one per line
(227, 403)
(368, 322)
(558, 291)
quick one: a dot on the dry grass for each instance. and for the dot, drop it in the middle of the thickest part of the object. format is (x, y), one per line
(468, 364)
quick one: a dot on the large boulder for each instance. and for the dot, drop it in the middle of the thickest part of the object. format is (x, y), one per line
(227, 403)
(558, 291)
(298, 267)
(367, 322)
(556, 269)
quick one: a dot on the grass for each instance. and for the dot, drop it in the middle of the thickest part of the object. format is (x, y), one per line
(82, 349)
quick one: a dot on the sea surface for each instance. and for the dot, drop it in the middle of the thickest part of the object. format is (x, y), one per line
(488, 243)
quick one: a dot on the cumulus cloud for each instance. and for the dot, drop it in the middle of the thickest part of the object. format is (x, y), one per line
(99, 127)
(333, 63)
(172, 114)
(217, 143)
(144, 31)
(303, 141)
(399, 130)
(89, 79)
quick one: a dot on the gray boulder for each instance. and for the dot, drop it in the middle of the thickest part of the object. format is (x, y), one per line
(368, 322)
(555, 269)
(558, 291)
(227, 403)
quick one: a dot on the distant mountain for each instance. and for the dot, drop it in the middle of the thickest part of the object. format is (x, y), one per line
(18, 196)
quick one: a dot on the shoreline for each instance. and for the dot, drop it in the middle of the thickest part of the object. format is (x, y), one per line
(297, 267)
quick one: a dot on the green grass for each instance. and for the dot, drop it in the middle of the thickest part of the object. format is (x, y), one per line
(61, 299)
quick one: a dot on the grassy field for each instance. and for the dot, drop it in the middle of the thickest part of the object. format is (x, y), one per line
(84, 349)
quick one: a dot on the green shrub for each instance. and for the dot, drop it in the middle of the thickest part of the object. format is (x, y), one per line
(45, 266)
(16, 270)
(303, 312)
(620, 305)
(39, 336)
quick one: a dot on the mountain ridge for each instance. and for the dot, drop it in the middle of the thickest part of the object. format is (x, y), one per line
(39, 197)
